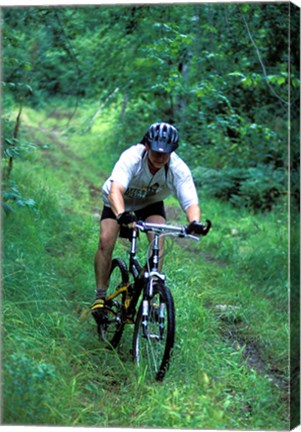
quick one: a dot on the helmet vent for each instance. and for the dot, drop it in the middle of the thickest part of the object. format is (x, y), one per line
(163, 137)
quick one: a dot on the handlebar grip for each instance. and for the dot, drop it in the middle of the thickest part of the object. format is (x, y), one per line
(207, 227)
(198, 228)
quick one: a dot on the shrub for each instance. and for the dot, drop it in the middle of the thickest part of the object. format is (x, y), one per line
(257, 188)
(25, 381)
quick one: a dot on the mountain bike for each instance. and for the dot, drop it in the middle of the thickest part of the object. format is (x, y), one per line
(154, 321)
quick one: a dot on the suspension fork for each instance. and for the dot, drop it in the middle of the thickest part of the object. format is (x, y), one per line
(146, 282)
(147, 306)
(135, 267)
(151, 278)
(161, 319)
(155, 255)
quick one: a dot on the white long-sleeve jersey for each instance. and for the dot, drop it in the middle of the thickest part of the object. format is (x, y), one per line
(143, 187)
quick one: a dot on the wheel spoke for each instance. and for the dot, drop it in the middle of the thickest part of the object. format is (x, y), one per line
(153, 343)
(151, 354)
(112, 327)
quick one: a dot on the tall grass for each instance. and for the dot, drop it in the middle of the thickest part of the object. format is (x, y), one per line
(229, 292)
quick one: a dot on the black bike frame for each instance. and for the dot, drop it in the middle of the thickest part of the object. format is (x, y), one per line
(146, 279)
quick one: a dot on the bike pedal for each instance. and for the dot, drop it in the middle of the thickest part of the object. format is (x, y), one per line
(100, 315)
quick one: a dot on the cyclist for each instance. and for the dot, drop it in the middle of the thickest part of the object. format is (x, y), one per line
(142, 178)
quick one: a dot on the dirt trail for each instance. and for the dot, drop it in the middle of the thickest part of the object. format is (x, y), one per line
(233, 336)
(230, 327)
(231, 322)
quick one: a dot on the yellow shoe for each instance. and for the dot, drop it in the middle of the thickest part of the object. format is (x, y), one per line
(98, 304)
(98, 311)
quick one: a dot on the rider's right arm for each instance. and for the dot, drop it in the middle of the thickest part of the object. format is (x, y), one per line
(127, 165)
(125, 169)
(116, 198)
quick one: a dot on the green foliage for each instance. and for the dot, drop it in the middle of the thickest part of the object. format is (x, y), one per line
(26, 380)
(13, 194)
(90, 80)
(225, 89)
(230, 283)
(15, 148)
(258, 188)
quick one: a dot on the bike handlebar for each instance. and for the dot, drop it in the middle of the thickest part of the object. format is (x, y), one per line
(181, 230)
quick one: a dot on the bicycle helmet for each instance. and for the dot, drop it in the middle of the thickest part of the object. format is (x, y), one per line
(162, 137)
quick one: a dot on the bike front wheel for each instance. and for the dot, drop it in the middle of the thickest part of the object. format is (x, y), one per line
(154, 333)
(111, 328)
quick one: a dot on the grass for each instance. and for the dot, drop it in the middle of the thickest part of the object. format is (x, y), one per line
(229, 368)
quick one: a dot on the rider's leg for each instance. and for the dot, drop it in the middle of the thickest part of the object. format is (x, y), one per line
(109, 230)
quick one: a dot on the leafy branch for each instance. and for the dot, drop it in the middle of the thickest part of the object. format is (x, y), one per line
(14, 141)
(261, 62)
(67, 46)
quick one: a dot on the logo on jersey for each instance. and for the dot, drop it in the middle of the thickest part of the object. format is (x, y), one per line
(144, 192)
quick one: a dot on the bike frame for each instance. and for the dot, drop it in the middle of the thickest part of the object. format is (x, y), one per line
(144, 281)
(154, 323)
(134, 265)
(153, 272)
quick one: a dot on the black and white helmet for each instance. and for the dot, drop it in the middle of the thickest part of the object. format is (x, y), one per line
(162, 137)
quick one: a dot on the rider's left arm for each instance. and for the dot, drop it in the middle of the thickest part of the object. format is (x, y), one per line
(193, 213)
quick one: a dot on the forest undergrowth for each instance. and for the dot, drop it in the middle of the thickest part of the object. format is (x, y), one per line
(230, 364)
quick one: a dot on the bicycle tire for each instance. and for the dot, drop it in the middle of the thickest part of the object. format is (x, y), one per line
(153, 351)
(111, 330)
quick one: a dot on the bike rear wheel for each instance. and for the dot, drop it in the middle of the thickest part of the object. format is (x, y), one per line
(153, 343)
(111, 328)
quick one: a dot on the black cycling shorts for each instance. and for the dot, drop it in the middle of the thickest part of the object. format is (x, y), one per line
(142, 214)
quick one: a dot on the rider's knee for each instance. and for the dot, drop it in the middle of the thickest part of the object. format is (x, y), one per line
(106, 243)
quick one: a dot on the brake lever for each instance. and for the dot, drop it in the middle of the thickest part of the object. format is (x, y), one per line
(184, 234)
(193, 237)
(140, 225)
